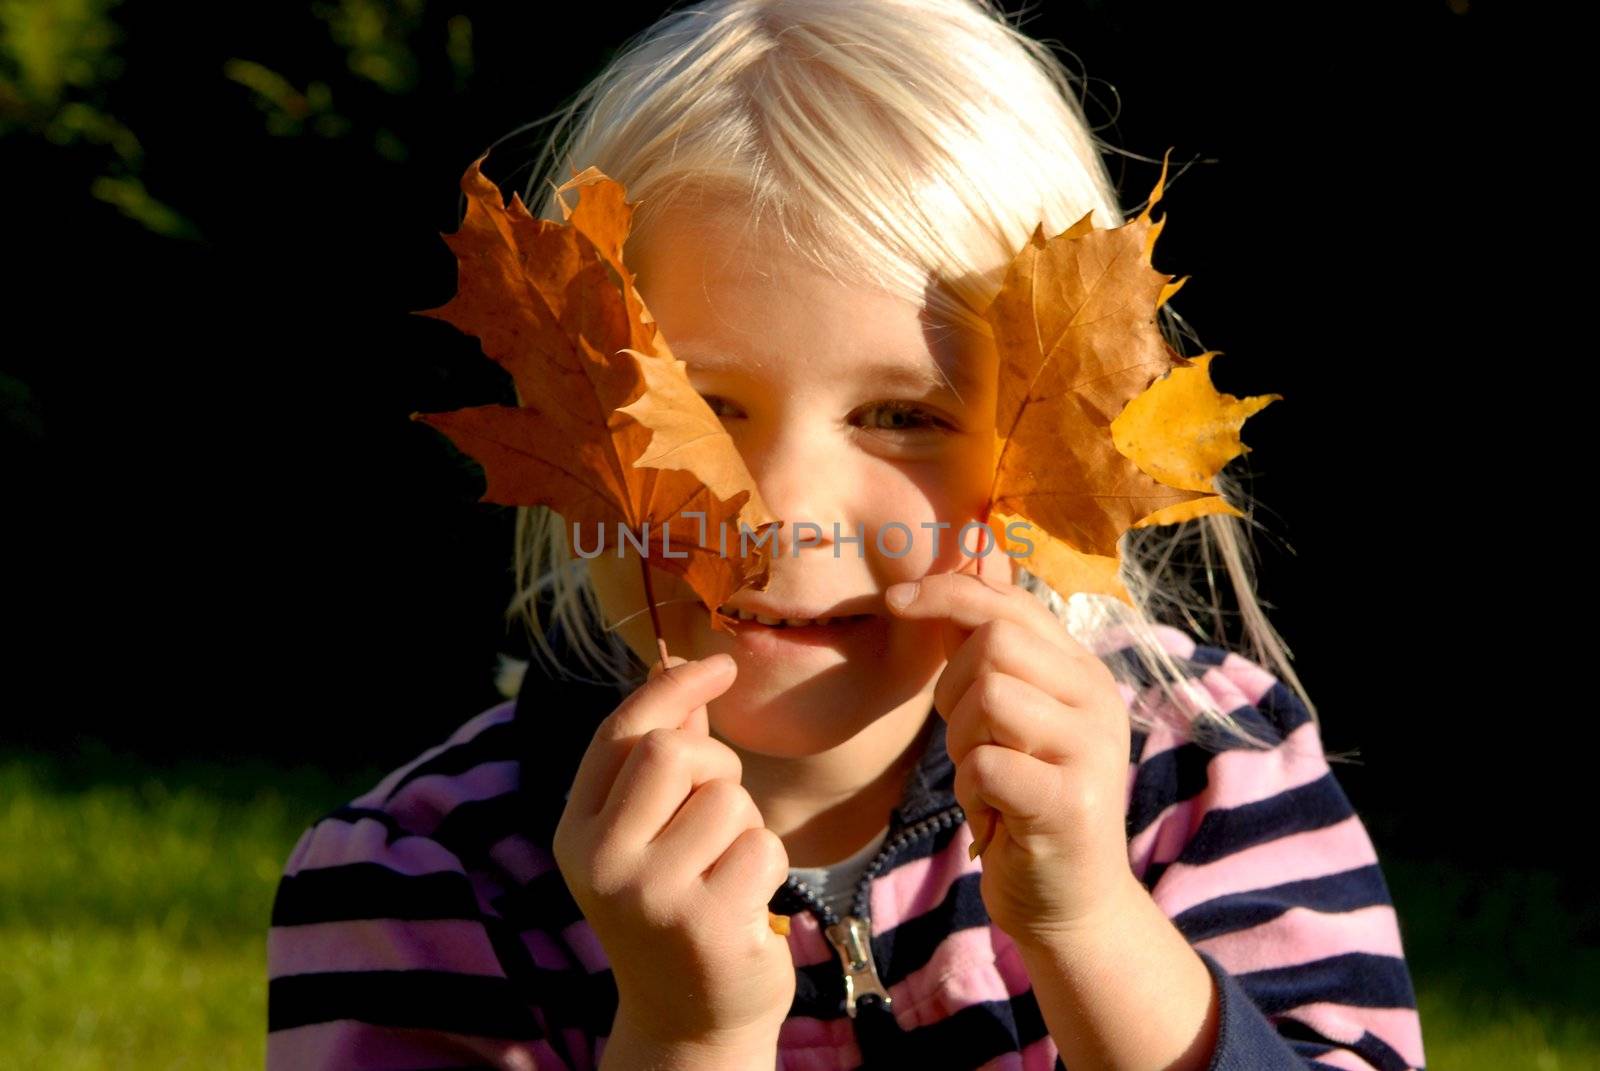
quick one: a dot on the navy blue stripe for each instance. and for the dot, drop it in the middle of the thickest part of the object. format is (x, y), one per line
(545, 901)
(497, 743)
(906, 948)
(970, 1037)
(1283, 708)
(1138, 738)
(1348, 890)
(474, 826)
(1310, 1042)
(576, 998)
(1224, 831)
(1363, 979)
(1379, 1053)
(1178, 773)
(371, 891)
(1181, 773)
(417, 999)
(351, 815)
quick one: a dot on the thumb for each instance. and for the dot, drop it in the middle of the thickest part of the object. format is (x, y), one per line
(672, 660)
(698, 719)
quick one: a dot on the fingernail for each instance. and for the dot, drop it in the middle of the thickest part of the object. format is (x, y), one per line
(899, 596)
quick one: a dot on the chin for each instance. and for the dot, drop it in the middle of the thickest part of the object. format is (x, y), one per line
(787, 720)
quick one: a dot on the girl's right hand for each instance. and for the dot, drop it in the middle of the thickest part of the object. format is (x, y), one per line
(670, 861)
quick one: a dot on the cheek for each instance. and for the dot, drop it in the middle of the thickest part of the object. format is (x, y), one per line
(906, 509)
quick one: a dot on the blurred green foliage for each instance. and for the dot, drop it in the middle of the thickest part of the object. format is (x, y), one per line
(56, 57)
(134, 904)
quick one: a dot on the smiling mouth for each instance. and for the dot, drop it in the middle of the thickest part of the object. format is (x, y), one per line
(793, 622)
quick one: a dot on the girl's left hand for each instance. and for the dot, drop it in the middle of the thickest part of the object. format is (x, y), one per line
(1039, 733)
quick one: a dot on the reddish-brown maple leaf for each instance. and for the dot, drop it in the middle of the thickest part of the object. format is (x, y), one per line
(556, 307)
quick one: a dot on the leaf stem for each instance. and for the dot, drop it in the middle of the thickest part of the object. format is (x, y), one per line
(655, 618)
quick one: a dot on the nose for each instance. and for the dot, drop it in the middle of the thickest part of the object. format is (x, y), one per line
(802, 476)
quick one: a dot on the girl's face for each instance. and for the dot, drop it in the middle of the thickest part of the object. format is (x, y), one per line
(849, 409)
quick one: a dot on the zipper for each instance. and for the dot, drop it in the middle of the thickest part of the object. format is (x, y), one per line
(851, 936)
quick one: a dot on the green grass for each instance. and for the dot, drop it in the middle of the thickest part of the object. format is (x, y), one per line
(134, 903)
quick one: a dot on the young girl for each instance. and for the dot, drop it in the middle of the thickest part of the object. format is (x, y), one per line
(828, 192)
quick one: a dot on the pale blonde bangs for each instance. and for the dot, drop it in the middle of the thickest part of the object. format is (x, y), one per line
(889, 142)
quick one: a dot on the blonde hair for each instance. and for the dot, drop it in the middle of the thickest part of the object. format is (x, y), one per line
(887, 141)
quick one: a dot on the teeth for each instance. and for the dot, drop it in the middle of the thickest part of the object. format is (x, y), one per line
(787, 622)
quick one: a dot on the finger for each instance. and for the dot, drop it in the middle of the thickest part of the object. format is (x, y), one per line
(1010, 712)
(1004, 646)
(966, 601)
(664, 701)
(707, 823)
(755, 863)
(698, 719)
(662, 771)
(657, 666)
(1020, 788)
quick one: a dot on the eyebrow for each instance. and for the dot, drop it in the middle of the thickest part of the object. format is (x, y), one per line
(882, 372)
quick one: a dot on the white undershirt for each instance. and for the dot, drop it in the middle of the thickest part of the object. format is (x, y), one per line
(835, 883)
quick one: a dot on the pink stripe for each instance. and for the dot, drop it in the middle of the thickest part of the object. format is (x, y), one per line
(1175, 641)
(1162, 736)
(913, 889)
(585, 945)
(500, 712)
(1313, 854)
(962, 971)
(1250, 678)
(1234, 778)
(1343, 1058)
(1240, 776)
(381, 945)
(1301, 935)
(1400, 1028)
(1037, 1056)
(807, 943)
(1178, 643)
(424, 803)
(521, 858)
(347, 1045)
(806, 1043)
(1226, 694)
(335, 842)
(1163, 839)
(488, 889)
(578, 1043)
(546, 952)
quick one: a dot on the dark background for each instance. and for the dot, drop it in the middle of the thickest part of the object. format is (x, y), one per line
(242, 546)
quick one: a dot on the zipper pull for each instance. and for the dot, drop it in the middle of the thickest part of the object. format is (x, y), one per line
(849, 937)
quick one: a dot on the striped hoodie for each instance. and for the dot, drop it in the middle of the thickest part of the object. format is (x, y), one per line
(424, 924)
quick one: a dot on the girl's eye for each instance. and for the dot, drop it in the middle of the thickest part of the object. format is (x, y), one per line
(880, 416)
(903, 416)
(717, 402)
